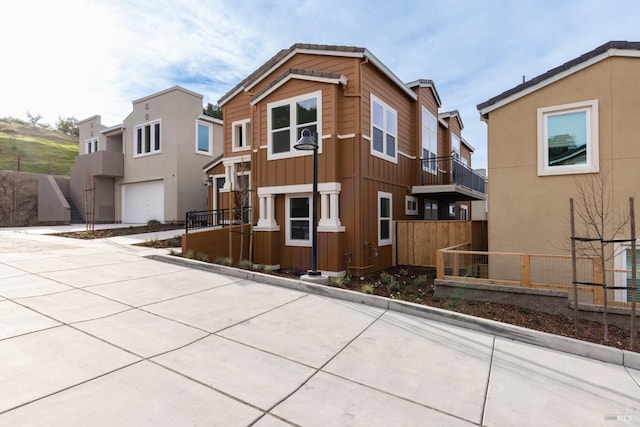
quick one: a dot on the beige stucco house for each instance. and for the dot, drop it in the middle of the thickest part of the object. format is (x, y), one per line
(576, 120)
(149, 167)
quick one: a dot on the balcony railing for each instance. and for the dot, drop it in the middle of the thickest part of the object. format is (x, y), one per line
(449, 170)
(196, 220)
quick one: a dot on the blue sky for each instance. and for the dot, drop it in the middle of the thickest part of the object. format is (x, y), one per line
(82, 57)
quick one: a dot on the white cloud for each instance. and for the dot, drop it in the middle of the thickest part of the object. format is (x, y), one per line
(84, 57)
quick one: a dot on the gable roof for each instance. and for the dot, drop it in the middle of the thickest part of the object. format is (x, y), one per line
(316, 49)
(612, 48)
(298, 73)
(452, 113)
(429, 84)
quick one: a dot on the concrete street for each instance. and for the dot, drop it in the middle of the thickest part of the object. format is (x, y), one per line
(103, 333)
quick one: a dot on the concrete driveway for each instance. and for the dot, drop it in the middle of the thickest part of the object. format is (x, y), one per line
(100, 333)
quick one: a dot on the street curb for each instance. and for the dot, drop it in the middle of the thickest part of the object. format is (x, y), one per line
(565, 344)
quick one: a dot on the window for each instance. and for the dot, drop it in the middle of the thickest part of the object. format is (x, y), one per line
(452, 210)
(384, 124)
(147, 138)
(430, 209)
(411, 205)
(298, 220)
(568, 139)
(429, 141)
(385, 216)
(464, 212)
(286, 121)
(241, 135)
(91, 145)
(455, 146)
(204, 138)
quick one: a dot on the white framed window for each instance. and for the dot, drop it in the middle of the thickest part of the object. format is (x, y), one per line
(384, 130)
(464, 212)
(385, 216)
(455, 146)
(204, 138)
(623, 264)
(146, 138)
(430, 209)
(411, 205)
(452, 210)
(241, 135)
(298, 218)
(429, 141)
(568, 139)
(91, 145)
(286, 121)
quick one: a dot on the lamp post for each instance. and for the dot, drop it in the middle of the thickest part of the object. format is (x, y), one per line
(309, 142)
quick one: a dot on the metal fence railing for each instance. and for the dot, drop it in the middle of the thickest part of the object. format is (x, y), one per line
(196, 220)
(450, 170)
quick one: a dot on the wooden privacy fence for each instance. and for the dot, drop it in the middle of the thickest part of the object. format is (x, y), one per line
(417, 242)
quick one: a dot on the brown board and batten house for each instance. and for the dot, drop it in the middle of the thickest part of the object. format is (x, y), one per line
(382, 156)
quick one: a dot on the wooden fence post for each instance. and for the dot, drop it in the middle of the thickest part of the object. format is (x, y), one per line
(525, 270)
(440, 265)
(598, 291)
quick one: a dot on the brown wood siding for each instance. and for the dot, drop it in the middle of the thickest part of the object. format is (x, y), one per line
(238, 108)
(214, 244)
(444, 141)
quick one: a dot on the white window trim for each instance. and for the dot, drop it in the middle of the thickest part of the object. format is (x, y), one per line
(620, 267)
(209, 152)
(593, 156)
(427, 166)
(292, 133)
(91, 145)
(464, 212)
(389, 241)
(414, 201)
(296, 242)
(245, 126)
(386, 107)
(152, 145)
(455, 147)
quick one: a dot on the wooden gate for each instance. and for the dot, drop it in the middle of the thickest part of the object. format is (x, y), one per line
(416, 242)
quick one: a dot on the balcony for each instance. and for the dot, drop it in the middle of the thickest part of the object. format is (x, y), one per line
(448, 179)
(102, 163)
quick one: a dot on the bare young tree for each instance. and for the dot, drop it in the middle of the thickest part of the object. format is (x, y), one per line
(600, 226)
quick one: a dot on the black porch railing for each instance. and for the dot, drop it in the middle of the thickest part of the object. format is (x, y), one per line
(450, 170)
(196, 220)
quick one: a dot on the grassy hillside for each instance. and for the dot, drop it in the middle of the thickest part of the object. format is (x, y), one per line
(40, 150)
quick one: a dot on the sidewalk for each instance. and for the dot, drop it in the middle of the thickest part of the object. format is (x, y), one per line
(97, 333)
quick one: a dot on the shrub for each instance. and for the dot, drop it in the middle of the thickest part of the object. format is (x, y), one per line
(153, 222)
(386, 278)
(172, 252)
(228, 261)
(336, 282)
(246, 264)
(189, 254)
(264, 269)
(367, 289)
(393, 286)
(403, 272)
(420, 281)
(175, 241)
(202, 257)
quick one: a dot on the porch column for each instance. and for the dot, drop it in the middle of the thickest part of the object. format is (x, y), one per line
(267, 221)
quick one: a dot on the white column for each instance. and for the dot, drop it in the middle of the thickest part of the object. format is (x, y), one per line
(330, 218)
(267, 221)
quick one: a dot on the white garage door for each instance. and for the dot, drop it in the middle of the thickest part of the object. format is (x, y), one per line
(142, 202)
